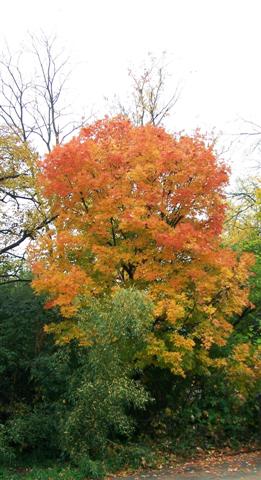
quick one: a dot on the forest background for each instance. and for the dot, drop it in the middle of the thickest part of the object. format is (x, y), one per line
(141, 330)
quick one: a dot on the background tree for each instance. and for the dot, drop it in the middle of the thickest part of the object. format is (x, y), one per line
(243, 234)
(23, 211)
(34, 106)
(245, 206)
(35, 116)
(149, 100)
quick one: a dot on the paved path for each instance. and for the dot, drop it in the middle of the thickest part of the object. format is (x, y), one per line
(246, 466)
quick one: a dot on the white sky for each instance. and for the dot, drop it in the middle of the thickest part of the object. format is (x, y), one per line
(214, 45)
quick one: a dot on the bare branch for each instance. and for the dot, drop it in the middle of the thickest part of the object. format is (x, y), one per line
(148, 101)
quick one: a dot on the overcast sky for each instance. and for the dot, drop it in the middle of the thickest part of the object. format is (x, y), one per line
(214, 48)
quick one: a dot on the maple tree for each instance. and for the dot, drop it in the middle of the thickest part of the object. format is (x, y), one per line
(138, 207)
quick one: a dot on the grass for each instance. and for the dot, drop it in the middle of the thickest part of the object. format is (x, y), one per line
(41, 473)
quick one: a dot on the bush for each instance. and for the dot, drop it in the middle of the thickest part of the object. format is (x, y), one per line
(90, 468)
(7, 454)
(201, 411)
(107, 389)
(33, 373)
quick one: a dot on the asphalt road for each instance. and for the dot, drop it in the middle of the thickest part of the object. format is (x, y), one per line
(246, 466)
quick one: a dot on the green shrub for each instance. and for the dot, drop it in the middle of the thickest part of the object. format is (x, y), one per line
(107, 390)
(201, 411)
(90, 468)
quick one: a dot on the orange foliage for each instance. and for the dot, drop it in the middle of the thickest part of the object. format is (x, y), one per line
(137, 206)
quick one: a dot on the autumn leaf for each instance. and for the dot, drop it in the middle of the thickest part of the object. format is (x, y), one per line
(139, 207)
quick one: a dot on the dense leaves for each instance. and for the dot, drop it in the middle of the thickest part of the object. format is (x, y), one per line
(28, 376)
(243, 234)
(69, 399)
(23, 211)
(107, 388)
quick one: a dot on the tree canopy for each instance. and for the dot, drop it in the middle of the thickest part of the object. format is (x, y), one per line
(138, 207)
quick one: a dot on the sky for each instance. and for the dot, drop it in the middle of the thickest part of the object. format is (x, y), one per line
(213, 47)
